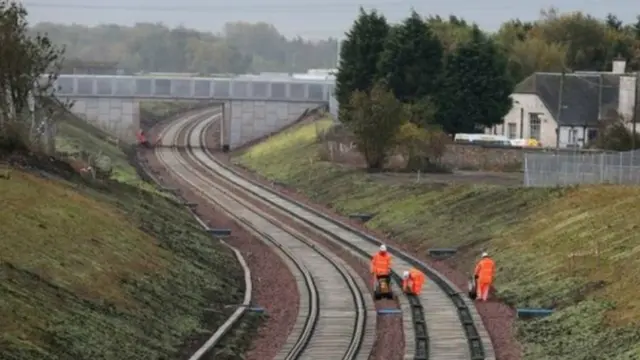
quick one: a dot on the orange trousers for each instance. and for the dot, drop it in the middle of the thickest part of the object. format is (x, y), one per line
(483, 290)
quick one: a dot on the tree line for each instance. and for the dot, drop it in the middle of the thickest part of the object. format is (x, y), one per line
(405, 86)
(555, 41)
(240, 48)
(28, 105)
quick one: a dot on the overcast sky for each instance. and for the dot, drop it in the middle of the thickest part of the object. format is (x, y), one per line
(307, 18)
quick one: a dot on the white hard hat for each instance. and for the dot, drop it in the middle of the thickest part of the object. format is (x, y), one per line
(485, 254)
(383, 247)
(405, 274)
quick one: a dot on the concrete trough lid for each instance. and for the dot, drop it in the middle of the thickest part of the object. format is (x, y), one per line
(442, 252)
(219, 232)
(364, 217)
(533, 312)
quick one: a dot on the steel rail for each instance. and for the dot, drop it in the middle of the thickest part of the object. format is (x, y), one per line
(252, 219)
(479, 345)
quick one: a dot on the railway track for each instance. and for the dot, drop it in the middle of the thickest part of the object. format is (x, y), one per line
(441, 324)
(335, 318)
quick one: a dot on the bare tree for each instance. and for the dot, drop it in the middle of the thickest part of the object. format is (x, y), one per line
(29, 67)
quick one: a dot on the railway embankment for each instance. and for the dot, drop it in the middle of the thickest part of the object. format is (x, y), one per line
(95, 263)
(568, 249)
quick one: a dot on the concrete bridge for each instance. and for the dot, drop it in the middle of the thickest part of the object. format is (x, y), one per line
(253, 106)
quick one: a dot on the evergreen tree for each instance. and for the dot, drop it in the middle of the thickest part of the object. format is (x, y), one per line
(475, 91)
(412, 60)
(359, 55)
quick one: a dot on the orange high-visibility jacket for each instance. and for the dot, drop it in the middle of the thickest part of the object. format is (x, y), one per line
(140, 136)
(414, 282)
(381, 263)
(485, 270)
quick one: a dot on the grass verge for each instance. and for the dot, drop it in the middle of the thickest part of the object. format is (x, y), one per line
(572, 249)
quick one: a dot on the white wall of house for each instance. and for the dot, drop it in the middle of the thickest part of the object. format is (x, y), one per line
(519, 123)
(574, 137)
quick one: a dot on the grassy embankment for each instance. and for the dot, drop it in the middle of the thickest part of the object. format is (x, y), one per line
(532, 234)
(106, 271)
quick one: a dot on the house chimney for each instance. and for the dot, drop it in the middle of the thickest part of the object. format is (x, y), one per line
(619, 66)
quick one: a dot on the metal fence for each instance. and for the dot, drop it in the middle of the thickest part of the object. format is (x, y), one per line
(561, 169)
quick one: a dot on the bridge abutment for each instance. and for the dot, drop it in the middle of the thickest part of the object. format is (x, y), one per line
(120, 117)
(248, 120)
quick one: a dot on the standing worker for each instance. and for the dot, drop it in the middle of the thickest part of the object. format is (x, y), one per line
(381, 264)
(412, 281)
(484, 276)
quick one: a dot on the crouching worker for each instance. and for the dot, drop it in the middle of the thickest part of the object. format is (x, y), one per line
(412, 281)
(484, 276)
(142, 139)
(380, 264)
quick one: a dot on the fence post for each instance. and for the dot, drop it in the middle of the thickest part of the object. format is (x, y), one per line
(526, 171)
(619, 168)
(631, 169)
(602, 168)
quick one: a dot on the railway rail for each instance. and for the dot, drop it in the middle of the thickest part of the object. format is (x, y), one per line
(441, 323)
(335, 320)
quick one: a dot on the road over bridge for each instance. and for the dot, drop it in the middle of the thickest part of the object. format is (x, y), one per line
(254, 106)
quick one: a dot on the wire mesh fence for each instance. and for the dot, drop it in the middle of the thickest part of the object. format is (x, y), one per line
(562, 169)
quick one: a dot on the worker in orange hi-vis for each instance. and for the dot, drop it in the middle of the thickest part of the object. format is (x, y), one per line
(412, 281)
(381, 264)
(484, 272)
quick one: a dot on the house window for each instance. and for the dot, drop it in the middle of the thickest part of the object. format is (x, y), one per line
(534, 126)
(512, 131)
(592, 134)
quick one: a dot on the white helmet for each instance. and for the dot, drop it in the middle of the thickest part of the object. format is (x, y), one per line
(485, 254)
(383, 248)
(405, 275)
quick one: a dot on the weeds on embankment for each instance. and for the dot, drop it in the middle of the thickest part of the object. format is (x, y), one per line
(106, 269)
(573, 249)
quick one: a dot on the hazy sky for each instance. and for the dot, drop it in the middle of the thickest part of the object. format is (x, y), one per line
(307, 18)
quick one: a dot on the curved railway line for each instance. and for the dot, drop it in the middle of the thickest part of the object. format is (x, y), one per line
(336, 319)
(333, 320)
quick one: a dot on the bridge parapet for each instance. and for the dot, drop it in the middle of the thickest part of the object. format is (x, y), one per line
(196, 88)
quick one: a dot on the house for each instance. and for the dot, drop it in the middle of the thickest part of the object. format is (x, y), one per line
(568, 118)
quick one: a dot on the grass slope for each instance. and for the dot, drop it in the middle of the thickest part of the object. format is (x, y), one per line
(545, 241)
(111, 270)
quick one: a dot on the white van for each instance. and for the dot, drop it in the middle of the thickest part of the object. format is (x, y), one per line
(484, 139)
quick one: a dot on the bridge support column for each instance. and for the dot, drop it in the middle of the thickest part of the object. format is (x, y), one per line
(249, 120)
(120, 117)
